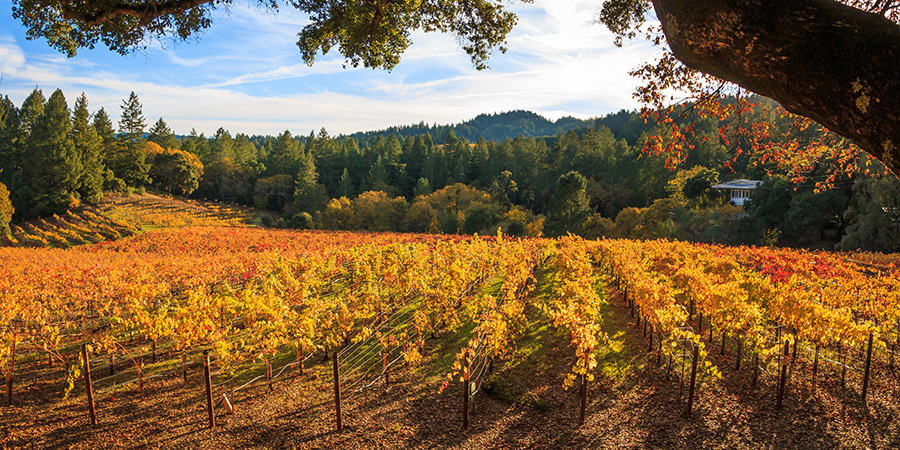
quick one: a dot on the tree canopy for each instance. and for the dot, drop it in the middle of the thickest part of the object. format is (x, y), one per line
(374, 33)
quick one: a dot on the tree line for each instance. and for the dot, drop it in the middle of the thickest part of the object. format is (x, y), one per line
(594, 179)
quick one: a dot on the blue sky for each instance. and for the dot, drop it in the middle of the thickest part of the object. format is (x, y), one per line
(245, 74)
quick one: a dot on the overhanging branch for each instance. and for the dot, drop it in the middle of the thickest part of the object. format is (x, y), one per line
(145, 12)
(818, 58)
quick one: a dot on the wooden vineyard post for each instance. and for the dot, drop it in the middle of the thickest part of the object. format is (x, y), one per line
(650, 347)
(337, 393)
(209, 399)
(659, 349)
(737, 364)
(184, 365)
(690, 402)
(583, 399)
(11, 374)
(140, 369)
(783, 380)
(868, 366)
(466, 395)
(755, 370)
(384, 367)
(269, 373)
(815, 364)
(681, 375)
(87, 382)
(112, 363)
(722, 351)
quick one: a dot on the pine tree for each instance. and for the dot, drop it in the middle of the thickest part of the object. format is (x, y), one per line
(103, 126)
(221, 146)
(196, 144)
(378, 174)
(244, 151)
(10, 145)
(89, 146)
(286, 156)
(53, 165)
(32, 110)
(393, 155)
(17, 177)
(309, 195)
(162, 135)
(345, 187)
(129, 162)
(132, 124)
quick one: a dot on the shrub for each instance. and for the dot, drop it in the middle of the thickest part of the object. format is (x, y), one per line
(302, 221)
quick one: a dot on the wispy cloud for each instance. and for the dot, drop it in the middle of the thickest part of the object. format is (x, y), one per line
(281, 73)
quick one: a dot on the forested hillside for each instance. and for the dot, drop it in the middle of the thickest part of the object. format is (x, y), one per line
(597, 177)
(492, 127)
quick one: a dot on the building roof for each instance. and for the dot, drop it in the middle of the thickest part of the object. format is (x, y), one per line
(738, 184)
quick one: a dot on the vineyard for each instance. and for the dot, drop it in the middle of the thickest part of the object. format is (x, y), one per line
(226, 335)
(122, 217)
(150, 211)
(84, 226)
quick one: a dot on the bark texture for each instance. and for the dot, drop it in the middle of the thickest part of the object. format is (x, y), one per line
(832, 63)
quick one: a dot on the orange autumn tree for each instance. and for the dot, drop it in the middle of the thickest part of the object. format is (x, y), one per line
(174, 170)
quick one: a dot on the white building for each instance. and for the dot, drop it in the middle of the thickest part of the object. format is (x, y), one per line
(740, 189)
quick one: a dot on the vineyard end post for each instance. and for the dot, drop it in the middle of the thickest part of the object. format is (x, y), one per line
(583, 399)
(865, 389)
(466, 394)
(209, 399)
(87, 382)
(11, 375)
(690, 402)
(783, 380)
(337, 393)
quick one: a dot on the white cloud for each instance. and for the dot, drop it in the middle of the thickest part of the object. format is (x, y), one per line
(12, 58)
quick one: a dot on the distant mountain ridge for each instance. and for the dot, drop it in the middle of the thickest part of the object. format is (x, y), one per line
(492, 127)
